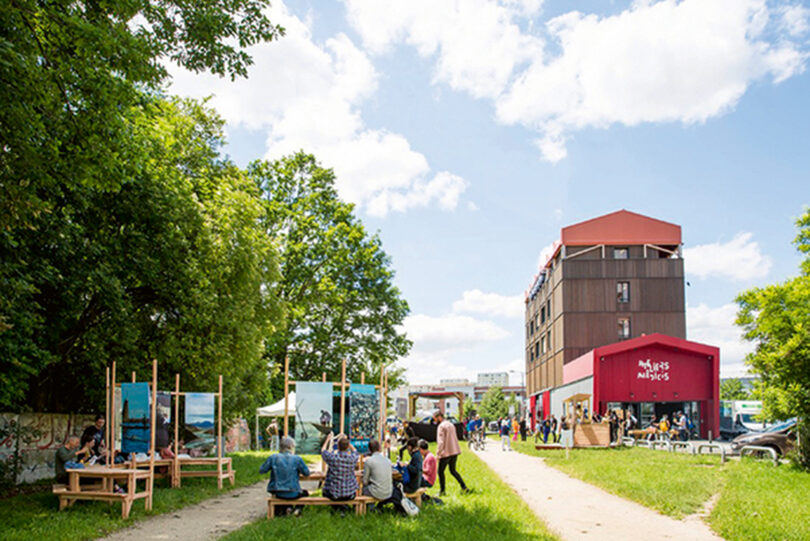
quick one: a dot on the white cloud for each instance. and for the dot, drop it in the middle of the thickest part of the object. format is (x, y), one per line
(476, 301)
(738, 259)
(477, 43)
(545, 254)
(795, 19)
(657, 61)
(715, 326)
(439, 340)
(450, 332)
(306, 96)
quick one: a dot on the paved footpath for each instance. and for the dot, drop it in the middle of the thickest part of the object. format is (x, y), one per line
(576, 510)
(209, 519)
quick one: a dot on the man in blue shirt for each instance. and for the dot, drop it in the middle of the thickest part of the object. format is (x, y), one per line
(284, 468)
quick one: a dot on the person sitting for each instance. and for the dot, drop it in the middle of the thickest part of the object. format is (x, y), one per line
(414, 466)
(663, 426)
(377, 477)
(69, 455)
(340, 484)
(429, 465)
(285, 467)
(95, 432)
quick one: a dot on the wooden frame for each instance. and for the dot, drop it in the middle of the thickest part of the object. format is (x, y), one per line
(108, 474)
(224, 464)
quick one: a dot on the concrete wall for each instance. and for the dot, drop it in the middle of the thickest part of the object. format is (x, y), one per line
(50, 430)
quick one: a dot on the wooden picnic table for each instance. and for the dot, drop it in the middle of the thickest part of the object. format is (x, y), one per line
(106, 491)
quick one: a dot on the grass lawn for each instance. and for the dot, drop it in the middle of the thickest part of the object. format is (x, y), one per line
(493, 512)
(760, 501)
(36, 516)
(757, 500)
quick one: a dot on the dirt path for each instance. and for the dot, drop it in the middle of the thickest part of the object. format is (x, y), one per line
(209, 519)
(574, 509)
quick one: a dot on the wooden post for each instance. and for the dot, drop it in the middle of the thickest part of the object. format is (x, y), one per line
(362, 378)
(342, 397)
(112, 409)
(286, 394)
(219, 436)
(382, 403)
(133, 376)
(107, 415)
(176, 461)
(151, 481)
(323, 377)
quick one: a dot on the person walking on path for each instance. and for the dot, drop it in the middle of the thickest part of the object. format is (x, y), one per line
(447, 451)
(505, 428)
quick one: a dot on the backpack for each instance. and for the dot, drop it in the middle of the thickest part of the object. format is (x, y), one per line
(409, 507)
(406, 476)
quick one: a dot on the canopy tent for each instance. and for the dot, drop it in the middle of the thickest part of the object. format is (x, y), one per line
(274, 410)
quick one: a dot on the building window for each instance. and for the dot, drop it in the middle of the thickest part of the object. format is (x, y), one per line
(548, 340)
(542, 315)
(543, 344)
(623, 291)
(620, 253)
(624, 328)
(536, 350)
(531, 324)
(548, 309)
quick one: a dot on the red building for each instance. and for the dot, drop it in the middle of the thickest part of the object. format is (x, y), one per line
(651, 375)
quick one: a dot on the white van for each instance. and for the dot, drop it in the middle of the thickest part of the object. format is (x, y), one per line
(739, 417)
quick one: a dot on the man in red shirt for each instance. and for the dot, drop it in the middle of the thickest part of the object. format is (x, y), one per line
(429, 465)
(447, 451)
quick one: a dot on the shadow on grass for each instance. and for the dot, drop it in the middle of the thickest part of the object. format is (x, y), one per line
(473, 520)
(37, 516)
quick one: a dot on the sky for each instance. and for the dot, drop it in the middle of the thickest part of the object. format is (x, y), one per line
(468, 132)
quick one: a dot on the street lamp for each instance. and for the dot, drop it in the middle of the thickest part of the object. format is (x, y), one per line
(523, 386)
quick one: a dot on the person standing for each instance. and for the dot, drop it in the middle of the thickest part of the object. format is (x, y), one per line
(505, 428)
(272, 434)
(554, 435)
(522, 430)
(546, 429)
(447, 451)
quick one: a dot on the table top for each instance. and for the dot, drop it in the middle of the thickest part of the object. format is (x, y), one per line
(106, 471)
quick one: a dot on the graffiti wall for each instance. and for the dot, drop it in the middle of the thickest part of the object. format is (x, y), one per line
(43, 433)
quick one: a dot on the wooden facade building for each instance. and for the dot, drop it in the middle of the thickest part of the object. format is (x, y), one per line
(608, 279)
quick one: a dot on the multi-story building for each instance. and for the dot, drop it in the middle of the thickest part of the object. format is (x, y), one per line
(605, 317)
(608, 279)
(487, 379)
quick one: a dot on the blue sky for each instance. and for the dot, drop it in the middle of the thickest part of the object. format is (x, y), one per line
(468, 133)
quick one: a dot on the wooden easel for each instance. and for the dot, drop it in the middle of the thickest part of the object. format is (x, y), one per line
(220, 461)
(343, 384)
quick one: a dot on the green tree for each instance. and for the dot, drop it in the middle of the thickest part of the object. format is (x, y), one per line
(469, 406)
(732, 389)
(777, 319)
(72, 70)
(493, 404)
(173, 265)
(337, 283)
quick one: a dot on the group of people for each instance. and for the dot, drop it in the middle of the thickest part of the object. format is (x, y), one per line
(681, 424)
(340, 456)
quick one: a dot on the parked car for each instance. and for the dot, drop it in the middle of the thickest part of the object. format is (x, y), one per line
(781, 437)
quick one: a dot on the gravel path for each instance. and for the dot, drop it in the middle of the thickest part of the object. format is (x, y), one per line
(576, 510)
(209, 519)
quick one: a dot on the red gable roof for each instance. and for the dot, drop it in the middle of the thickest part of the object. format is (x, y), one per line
(657, 339)
(621, 227)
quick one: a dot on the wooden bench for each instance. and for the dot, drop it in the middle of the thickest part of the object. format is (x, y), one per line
(415, 497)
(224, 469)
(358, 503)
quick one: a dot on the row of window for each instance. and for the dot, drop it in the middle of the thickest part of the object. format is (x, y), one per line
(541, 347)
(534, 324)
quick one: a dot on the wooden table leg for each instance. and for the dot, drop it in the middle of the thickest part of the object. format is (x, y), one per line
(73, 481)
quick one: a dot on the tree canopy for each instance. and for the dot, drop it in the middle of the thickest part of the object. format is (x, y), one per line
(777, 319)
(494, 404)
(337, 282)
(732, 389)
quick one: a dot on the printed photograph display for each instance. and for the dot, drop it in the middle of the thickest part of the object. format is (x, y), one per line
(313, 416)
(365, 414)
(134, 418)
(199, 432)
(163, 420)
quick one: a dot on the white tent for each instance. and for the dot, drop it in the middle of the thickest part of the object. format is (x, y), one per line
(274, 410)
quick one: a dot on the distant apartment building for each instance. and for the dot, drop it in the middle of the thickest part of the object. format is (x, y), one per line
(492, 378)
(610, 278)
